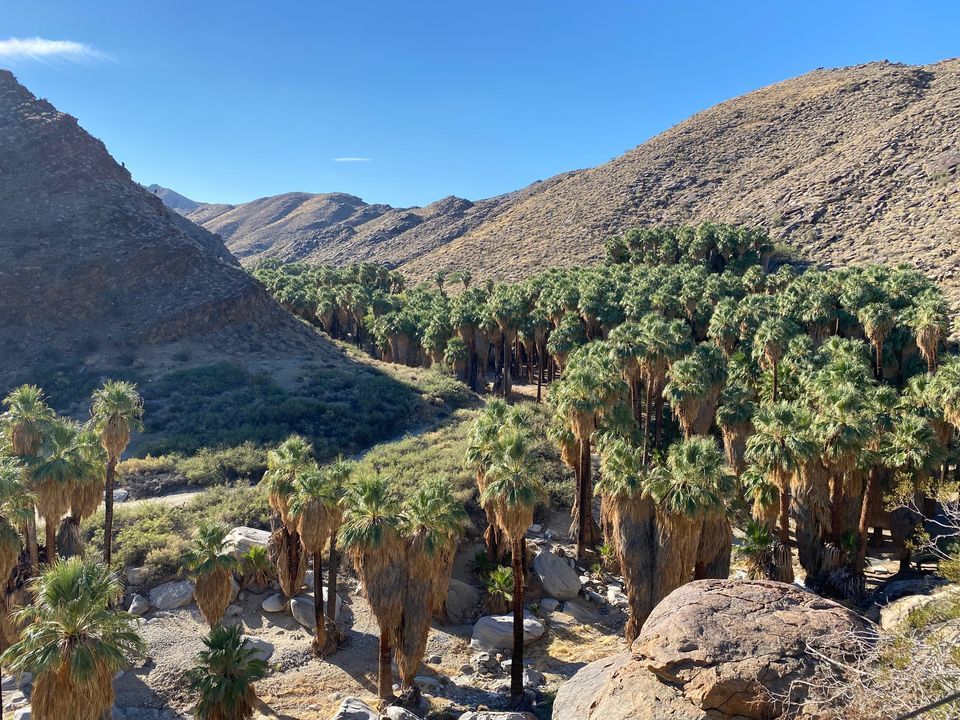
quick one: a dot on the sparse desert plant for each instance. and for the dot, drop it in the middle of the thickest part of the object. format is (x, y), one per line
(499, 586)
(256, 568)
(223, 676)
(73, 642)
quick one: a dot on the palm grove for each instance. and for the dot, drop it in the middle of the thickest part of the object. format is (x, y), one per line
(711, 389)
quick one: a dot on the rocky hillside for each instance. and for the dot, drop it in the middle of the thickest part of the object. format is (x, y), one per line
(173, 199)
(848, 165)
(96, 272)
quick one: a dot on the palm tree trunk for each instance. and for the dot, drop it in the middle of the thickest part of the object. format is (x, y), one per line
(864, 525)
(32, 549)
(320, 639)
(776, 373)
(836, 509)
(539, 374)
(332, 578)
(516, 661)
(108, 511)
(587, 532)
(385, 675)
(50, 530)
(785, 512)
(646, 419)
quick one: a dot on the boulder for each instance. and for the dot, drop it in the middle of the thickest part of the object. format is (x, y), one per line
(274, 603)
(138, 576)
(304, 611)
(263, 648)
(581, 612)
(895, 614)
(355, 709)
(395, 712)
(234, 589)
(138, 605)
(241, 539)
(490, 715)
(712, 648)
(558, 579)
(462, 600)
(549, 604)
(171, 595)
(496, 631)
(533, 678)
(23, 714)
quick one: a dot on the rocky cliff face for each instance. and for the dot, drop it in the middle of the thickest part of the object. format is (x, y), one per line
(92, 265)
(849, 165)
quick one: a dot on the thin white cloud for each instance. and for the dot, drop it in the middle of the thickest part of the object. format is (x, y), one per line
(353, 159)
(42, 50)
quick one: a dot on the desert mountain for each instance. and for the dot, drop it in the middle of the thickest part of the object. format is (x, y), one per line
(94, 267)
(173, 199)
(848, 165)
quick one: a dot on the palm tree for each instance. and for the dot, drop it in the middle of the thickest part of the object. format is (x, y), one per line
(73, 643)
(26, 417)
(878, 320)
(693, 388)
(371, 535)
(309, 505)
(212, 568)
(735, 420)
(514, 489)
(16, 506)
(223, 676)
(117, 410)
(86, 492)
(930, 322)
(434, 520)
(338, 475)
(256, 568)
(769, 344)
(633, 517)
(692, 485)
(780, 447)
(481, 449)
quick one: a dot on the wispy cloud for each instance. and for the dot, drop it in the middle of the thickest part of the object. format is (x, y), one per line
(42, 50)
(353, 159)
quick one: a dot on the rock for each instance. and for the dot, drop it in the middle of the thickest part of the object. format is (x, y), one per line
(558, 579)
(274, 603)
(234, 589)
(496, 631)
(171, 595)
(304, 611)
(895, 614)
(549, 604)
(234, 611)
(23, 714)
(138, 606)
(395, 712)
(355, 709)
(241, 539)
(489, 715)
(462, 600)
(426, 682)
(535, 528)
(533, 678)
(120, 495)
(581, 612)
(263, 648)
(616, 597)
(897, 589)
(308, 579)
(753, 636)
(138, 576)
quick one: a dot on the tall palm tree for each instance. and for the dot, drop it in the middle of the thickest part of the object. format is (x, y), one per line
(313, 495)
(691, 485)
(514, 488)
(434, 519)
(693, 388)
(117, 410)
(338, 475)
(482, 445)
(86, 492)
(878, 320)
(16, 506)
(769, 343)
(26, 417)
(211, 566)
(372, 536)
(735, 420)
(930, 322)
(780, 447)
(223, 676)
(73, 643)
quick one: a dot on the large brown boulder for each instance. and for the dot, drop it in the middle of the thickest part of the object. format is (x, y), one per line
(712, 650)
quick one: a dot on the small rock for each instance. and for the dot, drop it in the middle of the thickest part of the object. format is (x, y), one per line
(120, 495)
(234, 589)
(466, 669)
(581, 612)
(551, 535)
(274, 603)
(138, 576)
(395, 712)
(234, 611)
(533, 678)
(427, 682)
(549, 604)
(303, 610)
(355, 709)
(263, 648)
(434, 659)
(172, 595)
(462, 600)
(138, 606)
(488, 715)
(616, 597)
(23, 714)
(535, 528)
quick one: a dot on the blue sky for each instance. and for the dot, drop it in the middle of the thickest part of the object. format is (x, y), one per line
(226, 102)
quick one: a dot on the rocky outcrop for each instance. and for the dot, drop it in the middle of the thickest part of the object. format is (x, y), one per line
(713, 649)
(559, 580)
(495, 632)
(239, 540)
(171, 595)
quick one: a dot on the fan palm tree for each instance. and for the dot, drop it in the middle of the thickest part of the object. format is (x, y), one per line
(117, 410)
(208, 561)
(26, 417)
(482, 446)
(338, 475)
(693, 388)
(930, 322)
(434, 519)
(284, 464)
(16, 506)
(735, 420)
(372, 536)
(691, 485)
(309, 505)
(73, 643)
(769, 343)
(223, 676)
(514, 489)
(878, 320)
(780, 447)
(86, 492)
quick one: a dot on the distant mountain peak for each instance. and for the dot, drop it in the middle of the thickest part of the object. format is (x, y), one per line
(174, 200)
